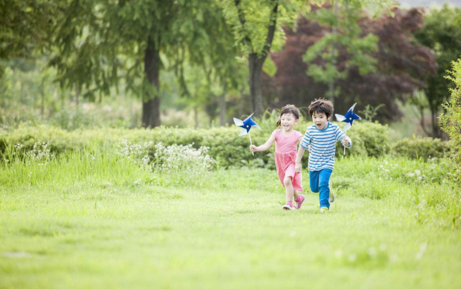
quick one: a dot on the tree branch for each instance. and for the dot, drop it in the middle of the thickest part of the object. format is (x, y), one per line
(243, 21)
(271, 30)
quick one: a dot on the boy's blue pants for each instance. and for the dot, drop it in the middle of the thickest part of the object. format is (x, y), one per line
(319, 184)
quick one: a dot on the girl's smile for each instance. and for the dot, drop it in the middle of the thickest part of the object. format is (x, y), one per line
(287, 122)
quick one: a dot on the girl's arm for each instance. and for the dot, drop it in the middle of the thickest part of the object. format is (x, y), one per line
(265, 146)
(299, 157)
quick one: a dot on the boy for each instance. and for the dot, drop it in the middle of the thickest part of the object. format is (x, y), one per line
(320, 139)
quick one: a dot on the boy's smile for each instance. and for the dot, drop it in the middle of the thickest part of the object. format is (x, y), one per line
(320, 119)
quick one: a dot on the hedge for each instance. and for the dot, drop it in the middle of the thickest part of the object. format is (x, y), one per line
(369, 139)
(423, 148)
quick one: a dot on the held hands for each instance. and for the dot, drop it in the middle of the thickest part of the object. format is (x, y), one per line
(253, 148)
(298, 167)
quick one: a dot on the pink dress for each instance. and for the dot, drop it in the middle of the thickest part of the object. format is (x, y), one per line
(285, 157)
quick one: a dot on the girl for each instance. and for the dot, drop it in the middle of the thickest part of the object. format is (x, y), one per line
(286, 140)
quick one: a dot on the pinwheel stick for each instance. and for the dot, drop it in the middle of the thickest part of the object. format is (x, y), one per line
(251, 143)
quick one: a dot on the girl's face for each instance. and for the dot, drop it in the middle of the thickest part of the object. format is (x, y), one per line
(320, 119)
(288, 121)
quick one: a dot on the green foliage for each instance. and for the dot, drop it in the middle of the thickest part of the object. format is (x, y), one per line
(225, 146)
(423, 148)
(25, 27)
(442, 34)
(451, 120)
(349, 37)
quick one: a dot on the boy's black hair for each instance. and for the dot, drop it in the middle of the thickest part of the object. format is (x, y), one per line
(289, 108)
(321, 105)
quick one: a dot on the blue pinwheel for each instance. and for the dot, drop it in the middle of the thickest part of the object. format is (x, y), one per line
(348, 118)
(246, 125)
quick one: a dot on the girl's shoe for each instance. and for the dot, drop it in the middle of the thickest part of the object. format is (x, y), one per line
(288, 206)
(324, 210)
(332, 194)
(299, 201)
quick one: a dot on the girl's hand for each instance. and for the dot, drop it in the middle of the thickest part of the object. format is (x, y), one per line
(253, 148)
(346, 141)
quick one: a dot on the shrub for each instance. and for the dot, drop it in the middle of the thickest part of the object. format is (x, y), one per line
(424, 148)
(451, 120)
(225, 146)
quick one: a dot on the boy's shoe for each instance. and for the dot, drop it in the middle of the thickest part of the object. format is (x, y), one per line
(299, 201)
(332, 194)
(324, 210)
(288, 206)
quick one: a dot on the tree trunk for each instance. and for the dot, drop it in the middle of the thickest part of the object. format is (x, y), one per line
(42, 94)
(196, 116)
(256, 92)
(331, 85)
(255, 62)
(435, 128)
(222, 109)
(77, 94)
(151, 101)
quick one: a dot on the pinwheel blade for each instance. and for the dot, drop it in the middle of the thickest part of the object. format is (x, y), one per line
(340, 117)
(249, 117)
(238, 122)
(352, 108)
(243, 132)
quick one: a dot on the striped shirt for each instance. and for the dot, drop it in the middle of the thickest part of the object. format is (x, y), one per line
(323, 146)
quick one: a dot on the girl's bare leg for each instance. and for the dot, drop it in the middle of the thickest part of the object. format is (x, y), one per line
(295, 194)
(289, 189)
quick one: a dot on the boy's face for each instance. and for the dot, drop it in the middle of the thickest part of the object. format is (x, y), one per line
(288, 120)
(320, 119)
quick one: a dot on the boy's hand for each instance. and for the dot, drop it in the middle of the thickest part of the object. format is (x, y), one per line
(253, 148)
(346, 141)
(298, 167)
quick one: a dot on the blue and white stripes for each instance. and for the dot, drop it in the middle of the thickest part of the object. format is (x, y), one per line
(323, 146)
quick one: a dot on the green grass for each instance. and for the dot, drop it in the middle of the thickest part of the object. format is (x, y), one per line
(80, 222)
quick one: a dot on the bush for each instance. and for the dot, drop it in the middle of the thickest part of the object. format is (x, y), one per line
(225, 145)
(451, 120)
(424, 148)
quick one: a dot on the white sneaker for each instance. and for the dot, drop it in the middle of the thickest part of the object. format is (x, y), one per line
(332, 194)
(288, 207)
(324, 210)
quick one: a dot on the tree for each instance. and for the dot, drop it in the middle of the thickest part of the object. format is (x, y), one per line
(442, 34)
(257, 24)
(342, 17)
(25, 27)
(402, 65)
(102, 43)
(451, 120)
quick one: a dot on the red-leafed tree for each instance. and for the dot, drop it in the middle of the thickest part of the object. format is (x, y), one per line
(402, 66)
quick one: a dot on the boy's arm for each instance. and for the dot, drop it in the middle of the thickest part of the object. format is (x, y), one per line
(303, 146)
(345, 140)
(265, 146)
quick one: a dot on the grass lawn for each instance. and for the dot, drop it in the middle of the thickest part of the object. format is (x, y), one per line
(114, 225)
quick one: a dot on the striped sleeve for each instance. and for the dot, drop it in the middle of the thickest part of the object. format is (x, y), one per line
(306, 140)
(339, 135)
